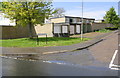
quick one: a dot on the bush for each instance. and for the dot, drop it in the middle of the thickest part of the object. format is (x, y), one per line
(103, 30)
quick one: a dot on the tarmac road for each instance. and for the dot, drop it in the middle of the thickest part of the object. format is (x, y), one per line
(13, 67)
(105, 50)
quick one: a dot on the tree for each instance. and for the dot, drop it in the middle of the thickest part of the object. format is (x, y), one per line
(28, 13)
(0, 6)
(118, 23)
(59, 12)
(112, 18)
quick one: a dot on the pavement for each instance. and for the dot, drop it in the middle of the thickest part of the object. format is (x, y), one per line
(55, 49)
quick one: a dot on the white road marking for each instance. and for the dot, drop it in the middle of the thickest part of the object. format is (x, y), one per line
(115, 65)
(113, 58)
(111, 65)
(115, 68)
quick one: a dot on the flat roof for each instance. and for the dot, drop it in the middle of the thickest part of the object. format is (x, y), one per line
(72, 17)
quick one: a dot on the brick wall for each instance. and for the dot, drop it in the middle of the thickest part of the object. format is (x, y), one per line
(11, 32)
(98, 26)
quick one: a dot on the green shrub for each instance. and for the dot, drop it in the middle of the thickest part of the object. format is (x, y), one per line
(103, 30)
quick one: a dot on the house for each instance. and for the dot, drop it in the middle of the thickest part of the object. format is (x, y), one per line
(69, 25)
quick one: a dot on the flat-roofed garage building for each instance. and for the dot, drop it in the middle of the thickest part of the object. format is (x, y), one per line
(68, 25)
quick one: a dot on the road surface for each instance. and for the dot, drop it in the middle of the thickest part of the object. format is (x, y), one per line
(38, 68)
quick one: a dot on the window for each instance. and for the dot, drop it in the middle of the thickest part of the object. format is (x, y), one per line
(71, 20)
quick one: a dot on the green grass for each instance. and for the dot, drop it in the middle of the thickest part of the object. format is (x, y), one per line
(52, 41)
(103, 31)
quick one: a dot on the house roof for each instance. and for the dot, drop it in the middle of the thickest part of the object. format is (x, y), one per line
(79, 17)
(72, 17)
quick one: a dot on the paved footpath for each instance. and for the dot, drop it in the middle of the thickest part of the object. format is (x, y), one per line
(53, 49)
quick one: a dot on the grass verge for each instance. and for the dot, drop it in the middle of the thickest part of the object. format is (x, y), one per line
(51, 41)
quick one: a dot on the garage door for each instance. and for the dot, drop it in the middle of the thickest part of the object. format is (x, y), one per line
(64, 29)
(77, 28)
(72, 29)
(57, 29)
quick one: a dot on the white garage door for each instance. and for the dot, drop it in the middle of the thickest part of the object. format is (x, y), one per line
(64, 29)
(77, 28)
(57, 29)
(71, 29)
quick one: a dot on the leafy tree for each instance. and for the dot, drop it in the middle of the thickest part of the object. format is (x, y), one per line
(59, 12)
(118, 23)
(28, 13)
(0, 6)
(112, 18)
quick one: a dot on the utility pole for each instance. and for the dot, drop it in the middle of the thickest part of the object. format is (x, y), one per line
(82, 23)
